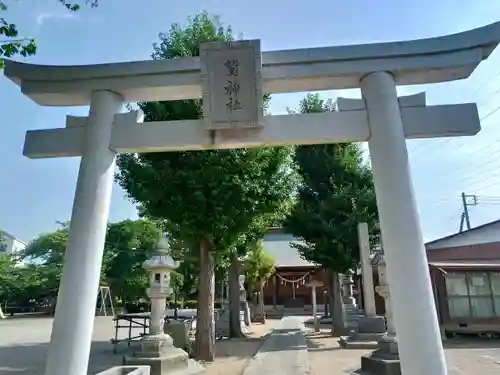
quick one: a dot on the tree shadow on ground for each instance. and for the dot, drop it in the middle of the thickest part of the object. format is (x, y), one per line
(29, 359)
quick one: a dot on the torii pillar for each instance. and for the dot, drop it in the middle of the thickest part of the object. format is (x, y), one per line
(380, 118)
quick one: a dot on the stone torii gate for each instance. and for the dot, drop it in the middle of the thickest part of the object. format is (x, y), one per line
(234, 118)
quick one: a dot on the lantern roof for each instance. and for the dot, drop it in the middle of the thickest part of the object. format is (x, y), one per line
(161, 260)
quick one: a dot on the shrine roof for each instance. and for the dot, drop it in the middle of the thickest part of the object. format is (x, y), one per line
(278, 245)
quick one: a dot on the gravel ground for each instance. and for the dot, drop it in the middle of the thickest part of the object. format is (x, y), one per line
(464, 356)
(24, 345)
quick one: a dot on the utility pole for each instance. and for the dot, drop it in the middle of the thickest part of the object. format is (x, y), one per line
(465, 214)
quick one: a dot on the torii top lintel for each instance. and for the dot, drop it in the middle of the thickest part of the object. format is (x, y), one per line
(420, 61)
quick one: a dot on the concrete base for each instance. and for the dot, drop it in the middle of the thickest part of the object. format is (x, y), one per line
(370, 330)
(373, 365)
(384, 360)
(163, 358)
(371, 324)
(358, 340)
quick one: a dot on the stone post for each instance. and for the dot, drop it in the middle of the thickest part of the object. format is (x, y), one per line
(244, 303)
(313, 284)
(384, 360)
(366, 270)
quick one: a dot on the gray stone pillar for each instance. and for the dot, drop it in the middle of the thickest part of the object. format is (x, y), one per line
(384, 360)
(244, 308)
(366, 270)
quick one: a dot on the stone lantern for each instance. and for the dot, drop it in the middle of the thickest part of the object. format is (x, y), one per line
(348, 291)
(157, 348)
(159, 267)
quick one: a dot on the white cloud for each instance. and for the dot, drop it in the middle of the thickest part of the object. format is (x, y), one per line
(41, 18)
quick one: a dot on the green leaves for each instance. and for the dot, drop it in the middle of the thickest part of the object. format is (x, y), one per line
(258, 266)
(214, 195)
(335, 194)
(128, 244)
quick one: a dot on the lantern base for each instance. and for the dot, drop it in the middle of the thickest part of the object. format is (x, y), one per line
(158, 352)
(370, 330)
(384, 360)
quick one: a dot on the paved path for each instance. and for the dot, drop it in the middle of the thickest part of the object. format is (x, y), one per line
(284, 352)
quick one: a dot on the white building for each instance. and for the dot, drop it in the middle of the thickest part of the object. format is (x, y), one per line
(11, 244)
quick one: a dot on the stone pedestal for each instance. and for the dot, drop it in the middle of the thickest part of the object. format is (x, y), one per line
(159, 352)
(179, 332)
(384, 360)
(369, 331)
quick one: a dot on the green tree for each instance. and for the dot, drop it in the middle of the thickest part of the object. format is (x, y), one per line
(48, 248)
(336, 193)
(207, 199)
(12, 44)
(128, 244)
(258, 266)
(8, 279)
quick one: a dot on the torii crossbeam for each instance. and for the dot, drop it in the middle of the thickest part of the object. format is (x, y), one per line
(379, 118)
(348, 124)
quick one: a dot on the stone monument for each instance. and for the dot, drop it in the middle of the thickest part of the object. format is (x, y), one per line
(370, 327)
(385, 359)
(157, 348)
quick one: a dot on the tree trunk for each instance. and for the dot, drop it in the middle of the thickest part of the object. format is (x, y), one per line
(337, 308)
(234, 298)
(205, 321)
(262, 312)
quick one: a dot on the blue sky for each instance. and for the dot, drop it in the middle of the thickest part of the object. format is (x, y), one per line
(34, 194)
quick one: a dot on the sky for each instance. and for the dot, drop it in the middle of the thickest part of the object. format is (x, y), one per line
(36, 194)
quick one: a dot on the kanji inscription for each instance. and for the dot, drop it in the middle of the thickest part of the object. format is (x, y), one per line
(231, 84)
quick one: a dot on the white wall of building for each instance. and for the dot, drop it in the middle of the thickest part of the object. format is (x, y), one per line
(11, 244)
(483, 234)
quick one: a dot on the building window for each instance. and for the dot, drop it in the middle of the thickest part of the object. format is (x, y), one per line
(473, 294)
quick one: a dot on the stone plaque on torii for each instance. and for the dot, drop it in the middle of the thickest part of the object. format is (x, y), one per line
(380, 118)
